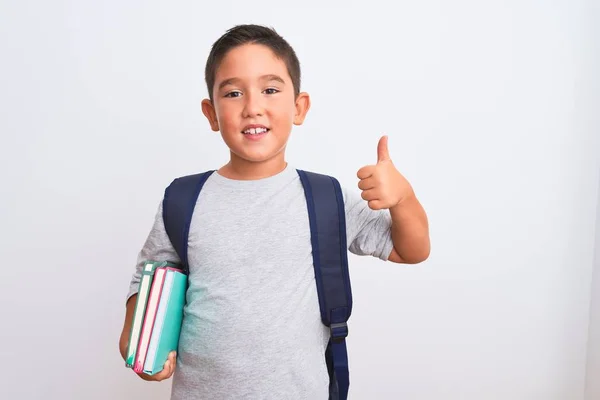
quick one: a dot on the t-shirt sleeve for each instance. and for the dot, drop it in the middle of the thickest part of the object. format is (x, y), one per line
(368, 231)
(157, 247)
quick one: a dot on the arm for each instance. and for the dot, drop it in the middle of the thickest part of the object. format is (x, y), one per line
(157, 247)
(129, 310)
(383, 187)
(169, 366)
(410, 232)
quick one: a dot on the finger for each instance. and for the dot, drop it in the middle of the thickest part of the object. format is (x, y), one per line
(162, 375)
(172, 362)
(366, 184)
(168, 368)
(165, 373)
(375, 204)
(146, 377)
(369, 195)
(365, 172)
(383, 153)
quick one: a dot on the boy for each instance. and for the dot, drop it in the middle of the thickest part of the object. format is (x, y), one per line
(252, 326)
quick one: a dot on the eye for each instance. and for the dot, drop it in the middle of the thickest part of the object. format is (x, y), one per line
(234, 93)
(271, 91)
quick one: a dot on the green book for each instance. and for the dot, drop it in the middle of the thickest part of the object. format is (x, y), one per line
(167, 322)
(140, 308)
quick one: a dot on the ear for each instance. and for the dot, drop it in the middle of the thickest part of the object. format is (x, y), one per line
(209, 112)
(302, 107)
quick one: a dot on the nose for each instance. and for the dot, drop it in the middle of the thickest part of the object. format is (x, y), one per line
(253, 106)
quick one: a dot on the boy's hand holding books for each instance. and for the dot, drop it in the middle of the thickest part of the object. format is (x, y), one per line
(166, 372)
(382, 185)
(153, 321)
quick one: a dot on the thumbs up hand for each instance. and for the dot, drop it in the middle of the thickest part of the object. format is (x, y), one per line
(382, 186)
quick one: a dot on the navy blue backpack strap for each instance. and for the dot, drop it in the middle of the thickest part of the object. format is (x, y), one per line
(178, 206)
(330, 258)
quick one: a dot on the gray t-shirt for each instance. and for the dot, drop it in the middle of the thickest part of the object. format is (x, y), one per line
(252, 327)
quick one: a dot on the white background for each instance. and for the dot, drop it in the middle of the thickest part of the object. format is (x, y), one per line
(593, 363)
(492, 112)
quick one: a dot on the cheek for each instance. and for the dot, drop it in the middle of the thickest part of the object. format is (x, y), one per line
(284, 114)
(227, 118)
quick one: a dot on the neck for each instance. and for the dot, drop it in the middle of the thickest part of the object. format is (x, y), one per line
(240, 169)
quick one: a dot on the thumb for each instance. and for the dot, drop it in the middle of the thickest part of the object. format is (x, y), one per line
(382, 150)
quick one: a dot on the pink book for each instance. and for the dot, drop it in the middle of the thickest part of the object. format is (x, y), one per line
(151, 308)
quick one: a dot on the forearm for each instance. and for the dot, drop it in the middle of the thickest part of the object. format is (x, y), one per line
(169, 366)
(410, 231)
(124, 339)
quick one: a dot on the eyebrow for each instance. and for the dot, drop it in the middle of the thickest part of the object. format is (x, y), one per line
(268, 78)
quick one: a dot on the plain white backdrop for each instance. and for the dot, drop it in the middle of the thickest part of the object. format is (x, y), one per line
(593, 363)
(492, 113)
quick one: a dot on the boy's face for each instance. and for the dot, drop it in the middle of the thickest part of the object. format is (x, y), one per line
(253, 104)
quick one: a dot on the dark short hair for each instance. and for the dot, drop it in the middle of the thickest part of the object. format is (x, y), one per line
(251, 34)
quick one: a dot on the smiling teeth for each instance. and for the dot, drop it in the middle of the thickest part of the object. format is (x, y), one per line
(256, 131)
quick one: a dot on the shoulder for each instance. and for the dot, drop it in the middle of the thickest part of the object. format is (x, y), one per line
(350, 197)
(190, 178)
(317, 178)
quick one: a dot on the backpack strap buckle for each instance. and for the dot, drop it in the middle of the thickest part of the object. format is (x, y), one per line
(338, 331)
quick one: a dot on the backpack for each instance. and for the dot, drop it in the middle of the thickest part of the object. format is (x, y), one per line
(330, 257)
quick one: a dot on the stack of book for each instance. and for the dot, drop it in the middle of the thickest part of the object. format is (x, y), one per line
(157, 318)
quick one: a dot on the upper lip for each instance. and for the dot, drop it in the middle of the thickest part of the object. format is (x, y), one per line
(254, 126)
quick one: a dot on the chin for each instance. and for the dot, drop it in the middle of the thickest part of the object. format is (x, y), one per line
(257, 157)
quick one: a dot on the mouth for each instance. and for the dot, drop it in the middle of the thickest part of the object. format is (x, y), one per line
(255, 130)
